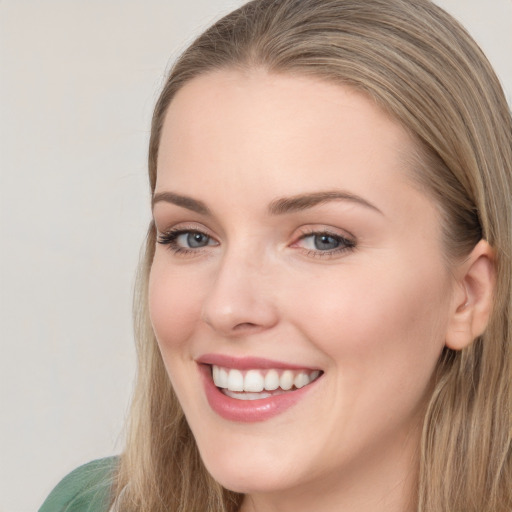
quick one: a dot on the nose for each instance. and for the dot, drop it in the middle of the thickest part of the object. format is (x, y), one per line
(241, 298)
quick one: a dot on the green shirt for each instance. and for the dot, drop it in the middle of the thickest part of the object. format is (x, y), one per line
(86, 489)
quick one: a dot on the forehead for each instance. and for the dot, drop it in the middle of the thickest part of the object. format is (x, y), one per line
(281, 105)
(290, 134)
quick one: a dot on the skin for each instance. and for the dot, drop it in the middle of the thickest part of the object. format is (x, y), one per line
(373, 317)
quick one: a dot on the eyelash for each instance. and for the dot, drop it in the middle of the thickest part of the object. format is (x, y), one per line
(170, 239)
(346, 244)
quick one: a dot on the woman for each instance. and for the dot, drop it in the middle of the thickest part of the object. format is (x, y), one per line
(323, 312)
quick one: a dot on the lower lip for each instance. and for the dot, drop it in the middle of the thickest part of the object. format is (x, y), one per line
(248, 411)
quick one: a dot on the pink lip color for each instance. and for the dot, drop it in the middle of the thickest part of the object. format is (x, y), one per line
(247, 363)
(248, 411)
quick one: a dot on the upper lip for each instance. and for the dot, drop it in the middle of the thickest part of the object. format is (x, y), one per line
(247, 363)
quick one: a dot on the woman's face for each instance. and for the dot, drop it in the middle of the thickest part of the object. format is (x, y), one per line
(294, 251)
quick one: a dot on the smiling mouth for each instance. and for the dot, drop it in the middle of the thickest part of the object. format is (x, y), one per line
(257, 384)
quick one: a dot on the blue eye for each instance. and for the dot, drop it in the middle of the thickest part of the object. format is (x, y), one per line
(186, 240)
(324, 243)
(193, 239)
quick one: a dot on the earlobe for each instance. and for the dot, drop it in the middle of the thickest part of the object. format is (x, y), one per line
(473, 297)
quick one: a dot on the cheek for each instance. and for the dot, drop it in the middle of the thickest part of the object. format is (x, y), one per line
(383, 338)
(174, 304)
(378, 323)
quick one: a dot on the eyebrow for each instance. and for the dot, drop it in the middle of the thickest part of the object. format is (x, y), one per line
(280, 206)
(304, 201)
(184, 201)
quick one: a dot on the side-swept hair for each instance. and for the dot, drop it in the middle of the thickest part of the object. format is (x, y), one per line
(423, 69)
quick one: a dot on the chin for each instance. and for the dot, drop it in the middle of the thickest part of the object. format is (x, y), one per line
(253, 481)
(248, 471)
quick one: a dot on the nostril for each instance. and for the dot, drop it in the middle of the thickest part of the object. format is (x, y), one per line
(245, 325)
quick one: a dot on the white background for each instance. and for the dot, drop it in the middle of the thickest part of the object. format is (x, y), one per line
(78, 80)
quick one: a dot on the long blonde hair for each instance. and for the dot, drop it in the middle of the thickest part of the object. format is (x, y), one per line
(421, 66)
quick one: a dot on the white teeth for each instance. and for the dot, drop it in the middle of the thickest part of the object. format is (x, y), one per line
(301, 380)
(258, 381)
(254, 381)
(314, 375)
(247, 396)
(235, 380)
(271, 380)
(222, 378)
(286, 380)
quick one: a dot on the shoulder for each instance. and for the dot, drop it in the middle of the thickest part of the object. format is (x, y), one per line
(86, 489)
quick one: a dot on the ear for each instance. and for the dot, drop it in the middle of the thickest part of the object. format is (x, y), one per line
(472, 298)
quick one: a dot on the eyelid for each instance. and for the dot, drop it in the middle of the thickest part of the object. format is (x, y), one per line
(168, 237)
(166, 228)
(313, 229)
(348, 241)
